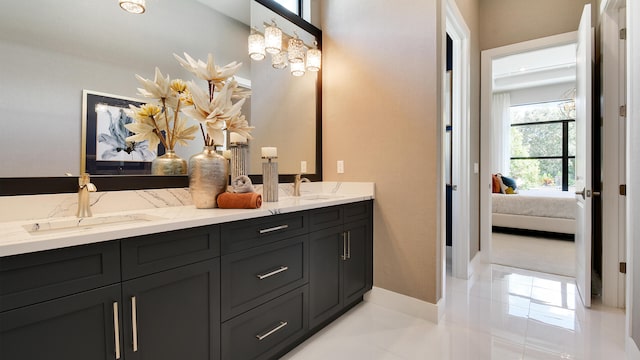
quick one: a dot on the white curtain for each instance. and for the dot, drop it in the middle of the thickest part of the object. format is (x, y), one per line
(500, 133)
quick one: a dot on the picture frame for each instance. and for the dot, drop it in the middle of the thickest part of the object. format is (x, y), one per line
(104, 148)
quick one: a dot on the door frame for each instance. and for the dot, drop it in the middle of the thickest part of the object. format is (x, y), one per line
(633, 167)
(459, 32)
(613, 162)
(486, 92)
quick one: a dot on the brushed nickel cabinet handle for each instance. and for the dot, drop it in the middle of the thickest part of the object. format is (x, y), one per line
(275, 228)
(271, 273)
(344, 246)
(349, 244)
(134, 322)
(116, 329)
(270, 332)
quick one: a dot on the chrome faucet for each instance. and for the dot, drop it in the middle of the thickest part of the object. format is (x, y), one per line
(85, 187)
(296, 185)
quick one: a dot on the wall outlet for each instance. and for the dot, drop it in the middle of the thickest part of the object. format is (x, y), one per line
(303, 166)
(340, 166)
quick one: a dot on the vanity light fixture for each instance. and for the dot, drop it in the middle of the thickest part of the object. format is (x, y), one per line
(133, 6)
(279, 60)
(256, 45)
(296, 50)
(273, 38)
(297, 69)
(314, 58)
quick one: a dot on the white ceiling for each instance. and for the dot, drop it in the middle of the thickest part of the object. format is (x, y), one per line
(548, 66)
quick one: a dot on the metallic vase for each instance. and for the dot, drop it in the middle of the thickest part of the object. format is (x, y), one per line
(208, 178)
(169, 164)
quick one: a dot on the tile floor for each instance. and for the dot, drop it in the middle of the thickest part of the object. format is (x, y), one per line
(501, 313)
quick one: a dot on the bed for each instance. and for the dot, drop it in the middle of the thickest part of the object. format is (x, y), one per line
(546, 211)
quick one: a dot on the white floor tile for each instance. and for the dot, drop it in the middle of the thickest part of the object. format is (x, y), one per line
(501, 313)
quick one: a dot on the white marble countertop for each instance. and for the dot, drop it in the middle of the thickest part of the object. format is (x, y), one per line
(21, 236)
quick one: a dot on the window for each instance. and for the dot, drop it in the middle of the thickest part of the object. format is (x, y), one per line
(543, 145)
(291, 5)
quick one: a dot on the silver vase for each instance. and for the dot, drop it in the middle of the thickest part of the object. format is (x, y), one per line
(208, 177)
(169, 164)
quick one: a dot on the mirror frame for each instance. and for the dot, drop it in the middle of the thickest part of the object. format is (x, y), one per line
(69, 184)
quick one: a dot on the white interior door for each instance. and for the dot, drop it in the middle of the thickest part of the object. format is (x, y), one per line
(584, 68)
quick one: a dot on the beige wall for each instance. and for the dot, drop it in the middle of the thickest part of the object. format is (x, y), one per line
(504, 22)
(381, 101)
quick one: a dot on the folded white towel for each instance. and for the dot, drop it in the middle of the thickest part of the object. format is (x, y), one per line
(242, 184)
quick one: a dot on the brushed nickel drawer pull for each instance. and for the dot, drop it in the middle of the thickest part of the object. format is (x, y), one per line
(271, 273)
(134, 322)
(276, 228)
(116, 329)
(343, 256)
(270, 332)
(349, 244)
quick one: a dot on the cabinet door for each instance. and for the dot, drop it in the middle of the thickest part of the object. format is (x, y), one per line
(356, 266)
(75, 327)
(174, 314)
(325, 278)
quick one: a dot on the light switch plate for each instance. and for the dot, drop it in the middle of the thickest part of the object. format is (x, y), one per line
(303, 166)
(340, 166)
(476, 168)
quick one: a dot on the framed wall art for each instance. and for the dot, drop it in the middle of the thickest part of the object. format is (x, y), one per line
(105, 150)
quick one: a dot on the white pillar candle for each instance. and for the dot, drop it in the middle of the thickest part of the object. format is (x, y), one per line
(236, 138)
(269, 152)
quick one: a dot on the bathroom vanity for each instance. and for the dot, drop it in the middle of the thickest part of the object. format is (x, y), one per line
(186, 284)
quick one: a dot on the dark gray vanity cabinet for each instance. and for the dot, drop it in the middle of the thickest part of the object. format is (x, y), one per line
(74, 327)
(249, 289)
(61, 304)
(341, 265)
(157, 299)
(265, 271)
(173, 314)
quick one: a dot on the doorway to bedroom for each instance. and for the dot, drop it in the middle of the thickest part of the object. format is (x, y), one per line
(533, 148)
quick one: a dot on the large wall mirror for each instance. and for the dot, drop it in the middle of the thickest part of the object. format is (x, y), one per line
(51, 51)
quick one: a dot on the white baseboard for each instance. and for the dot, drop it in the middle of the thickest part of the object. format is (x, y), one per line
(406, 304)
(633, 353)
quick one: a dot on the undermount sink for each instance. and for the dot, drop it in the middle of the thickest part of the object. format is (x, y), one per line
(48, 227)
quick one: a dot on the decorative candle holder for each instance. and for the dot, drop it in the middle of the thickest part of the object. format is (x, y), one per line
(270, 179)
(239, 159)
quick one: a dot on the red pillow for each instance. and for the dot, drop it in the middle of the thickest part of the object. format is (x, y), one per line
(495, 186)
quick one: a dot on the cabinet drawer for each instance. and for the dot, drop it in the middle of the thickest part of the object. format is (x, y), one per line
(325, 217)
(358, 211)
(245, 234)
(35, 277)
(266, 330)
(252, 277)
(152, 253)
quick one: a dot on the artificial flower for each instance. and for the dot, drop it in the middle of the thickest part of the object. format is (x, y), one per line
(159, 88)
(208, 71)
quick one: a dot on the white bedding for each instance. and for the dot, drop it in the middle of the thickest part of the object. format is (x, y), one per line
(544, 204)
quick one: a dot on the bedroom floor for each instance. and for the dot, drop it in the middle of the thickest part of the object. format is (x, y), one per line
(534, 253)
